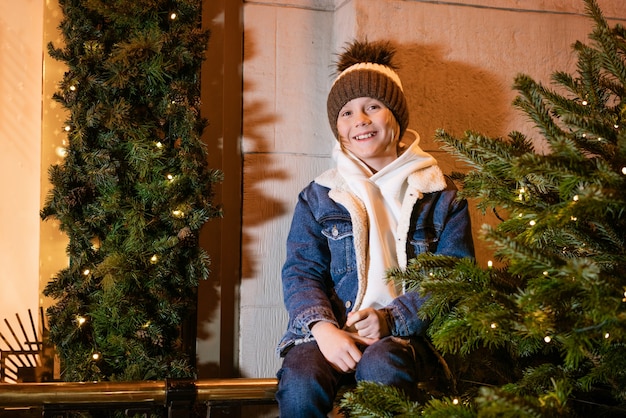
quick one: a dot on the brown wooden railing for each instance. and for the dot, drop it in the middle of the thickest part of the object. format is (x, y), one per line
(174, 397)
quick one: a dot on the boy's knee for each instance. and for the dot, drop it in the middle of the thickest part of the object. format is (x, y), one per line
(386, 360)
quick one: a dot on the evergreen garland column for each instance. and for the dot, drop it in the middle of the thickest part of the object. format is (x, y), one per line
(133, 190)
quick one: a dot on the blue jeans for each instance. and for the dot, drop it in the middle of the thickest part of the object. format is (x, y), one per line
(308, 384)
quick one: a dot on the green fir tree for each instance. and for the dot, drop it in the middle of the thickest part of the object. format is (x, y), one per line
(133, 190)
(544, 335)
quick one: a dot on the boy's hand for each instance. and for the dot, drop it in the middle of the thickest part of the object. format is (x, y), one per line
(339, 347)
(368, 323)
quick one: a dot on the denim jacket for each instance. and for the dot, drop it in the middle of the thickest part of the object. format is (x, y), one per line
(324, 275)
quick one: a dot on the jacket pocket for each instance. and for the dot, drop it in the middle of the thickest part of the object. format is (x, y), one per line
(341, 245)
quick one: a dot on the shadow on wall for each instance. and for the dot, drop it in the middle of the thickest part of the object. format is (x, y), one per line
(208, 354)
(260, 171)
(215, 308)
(450, 95)
(456, 97)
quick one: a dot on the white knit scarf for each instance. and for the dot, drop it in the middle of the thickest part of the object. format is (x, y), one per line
(382, 194)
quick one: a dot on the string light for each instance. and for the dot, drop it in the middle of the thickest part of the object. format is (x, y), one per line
(575, 198)
(607, 335)
(95, 356)
(494, 325)
(489, 263)
(624, 171)
(67, 128)
(61, 152)
(159, 145)
(72, 88)
(86, 272)
(585, 102)
(154, 259)
(455, 401)
(173, 16)
(547, 339)
(178, 213)
(80, 320)
(532, 223)
(573, 218)
(170, 177)
(545, 273)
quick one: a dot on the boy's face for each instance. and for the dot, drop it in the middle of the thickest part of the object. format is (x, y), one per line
(367, 128)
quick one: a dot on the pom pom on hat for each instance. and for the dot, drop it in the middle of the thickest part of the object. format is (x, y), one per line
(366, 70)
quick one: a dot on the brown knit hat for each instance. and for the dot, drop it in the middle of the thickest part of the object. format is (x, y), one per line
(365, 70)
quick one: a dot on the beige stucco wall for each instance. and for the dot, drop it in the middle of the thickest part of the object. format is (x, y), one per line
(20, 140)
(458, 61)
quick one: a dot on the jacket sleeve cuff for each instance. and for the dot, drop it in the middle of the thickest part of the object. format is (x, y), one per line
(308, 318)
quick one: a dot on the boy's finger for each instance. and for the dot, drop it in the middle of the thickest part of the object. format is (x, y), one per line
(353, 318)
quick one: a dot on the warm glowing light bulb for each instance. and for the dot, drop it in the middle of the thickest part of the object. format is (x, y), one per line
(67, 128)
(178, 213)
(573, 218)
(86, 272)
(494, 325)
(585, 102)
(73, 88)
(547, 338)
(95, 356)
(170, 177)
(532, 223)
(455, 401)
(61, 152)
(607, 335)
(624, 170)
(173, 16)
(159, 145)
(154, 259)
(489, 263)
(80, 320)
(575, 198)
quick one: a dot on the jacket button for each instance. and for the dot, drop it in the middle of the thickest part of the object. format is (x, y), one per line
(335, 231)
(348, 304)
